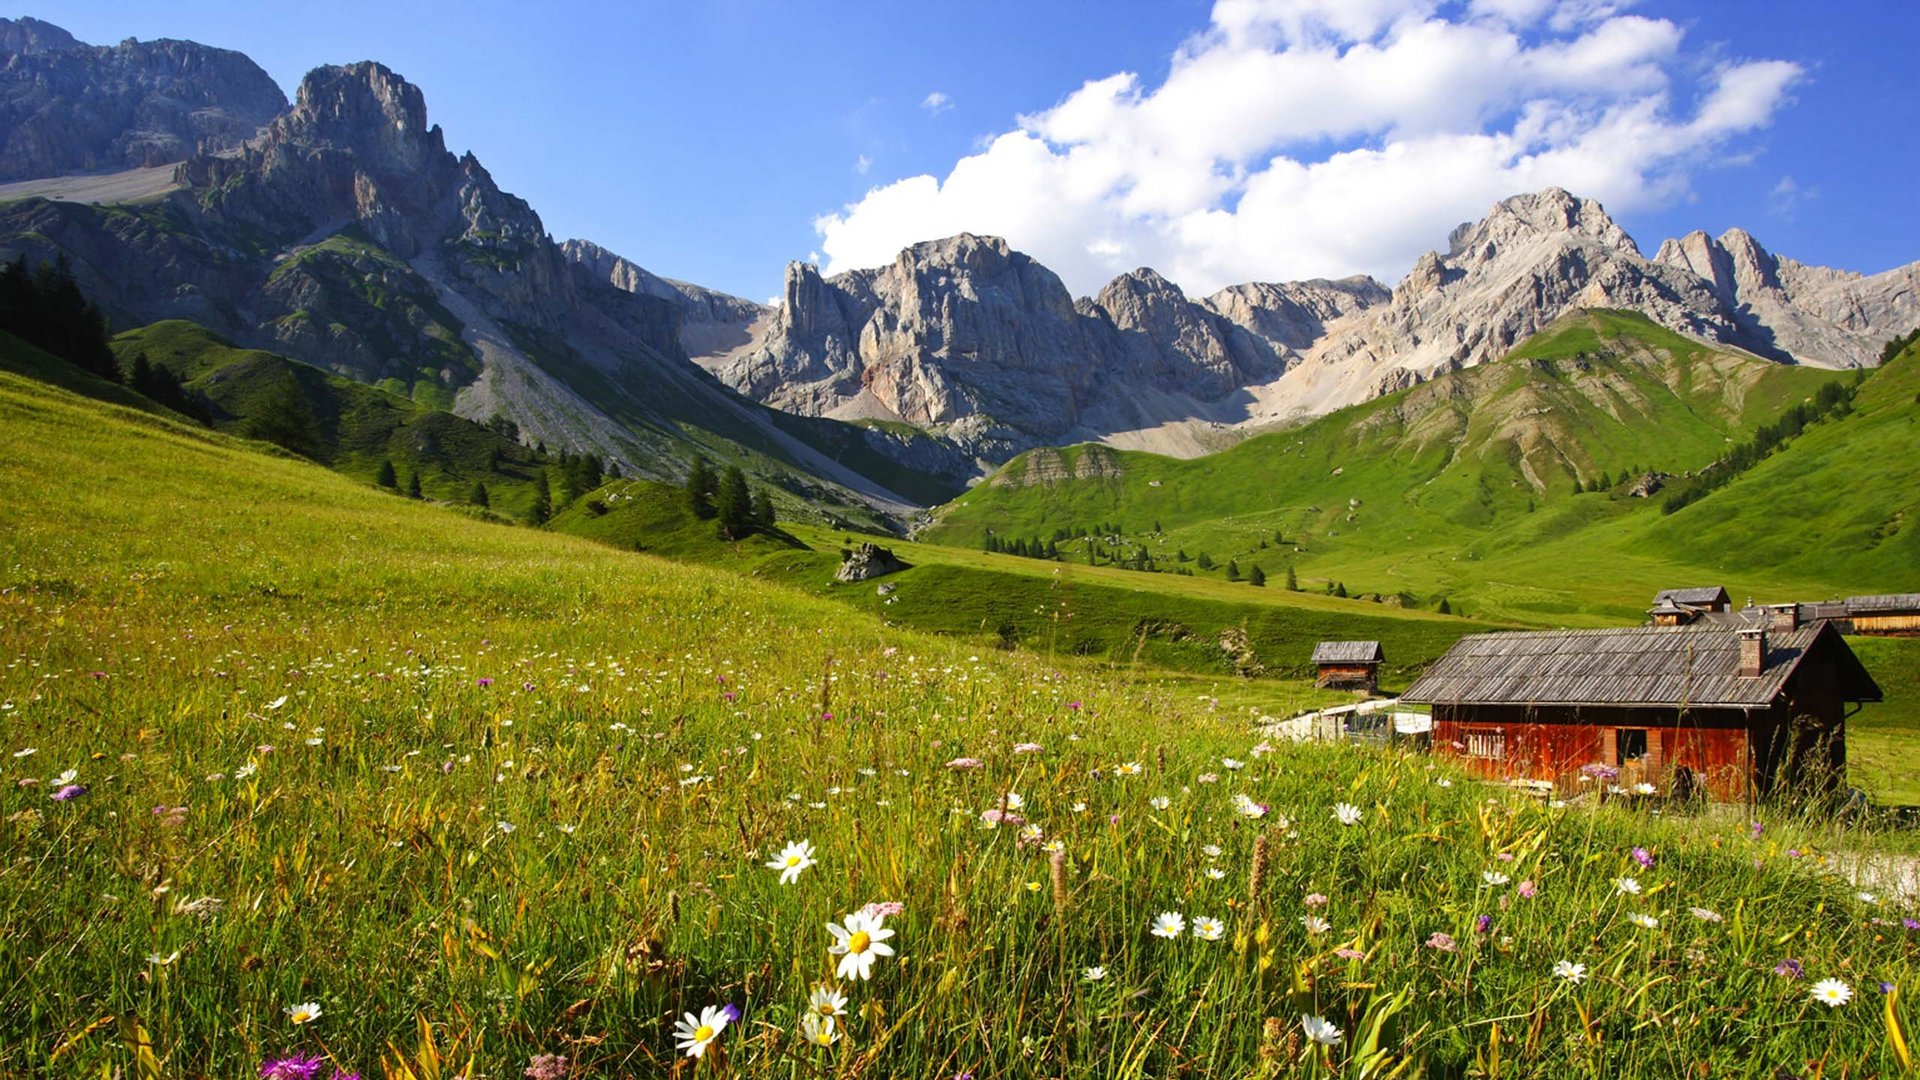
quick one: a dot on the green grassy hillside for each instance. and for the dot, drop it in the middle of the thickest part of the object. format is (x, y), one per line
(1483, 487)
(484, 795)
(339, 422)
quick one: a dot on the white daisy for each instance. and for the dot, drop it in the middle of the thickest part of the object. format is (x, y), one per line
(1208, 929)
(1494, 878)
(1643, 920)
(1214, 873)
(1347, 813)
(304, 1013)
(1626, 885)
(793, 858)
(1832, 993)
(1093, 974)
(695, 1033)
(1315, 925)
(858, 943)
(827, 1001)
(1321, 1030)
(819, 1030)
(1570, 971)
(1169, 924)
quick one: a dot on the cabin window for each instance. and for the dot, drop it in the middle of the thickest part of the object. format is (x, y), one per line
(1631, 743)
(1486, 744)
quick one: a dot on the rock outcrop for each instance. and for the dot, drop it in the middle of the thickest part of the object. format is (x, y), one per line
(976, 341)
(868, 561)
(68, 107)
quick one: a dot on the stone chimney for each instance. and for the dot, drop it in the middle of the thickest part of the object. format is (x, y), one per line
(1753, 652)
(1783, 617)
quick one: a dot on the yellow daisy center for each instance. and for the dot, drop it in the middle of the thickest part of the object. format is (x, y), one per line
(824, 1037)
(859, 942)
(702, 1033)
(827, 1009)
(793, 860)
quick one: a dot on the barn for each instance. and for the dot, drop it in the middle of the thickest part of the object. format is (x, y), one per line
(1887, 614)
(1680, 607)
(1734, 710)
(1348, 665)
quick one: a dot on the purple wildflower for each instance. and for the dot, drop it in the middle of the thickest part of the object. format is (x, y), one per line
(826, 716)
(1074, 705)
(1790, 968)
(483, 681)
(732, 1011)
(1597, 771)
(547, 1067)
(1528, 889)
(1758, 829)
(1441, 941)
(1886, 987)
(1910, 924)
(1483, 924)
(70, 791)
(292, 1067)
(1643, 857)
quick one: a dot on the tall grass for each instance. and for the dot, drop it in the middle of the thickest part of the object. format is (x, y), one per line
(485, 795)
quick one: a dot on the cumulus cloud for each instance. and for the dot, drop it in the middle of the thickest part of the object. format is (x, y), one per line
(936, 103)
(1303, 138)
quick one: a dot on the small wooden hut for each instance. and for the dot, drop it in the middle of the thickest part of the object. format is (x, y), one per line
(1681, 607)
(1348, 665)
(1732, 711)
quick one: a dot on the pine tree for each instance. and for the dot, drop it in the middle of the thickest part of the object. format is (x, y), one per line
(1340, 589)
(1444, 608)
(387, 477)
(700, 488)
(1233, 570)
(1257, 577)
(733, 504)
(542, 498)
(413, 485)
(478, 496)
(1293, 582)
(1204, 562)
(763, 515)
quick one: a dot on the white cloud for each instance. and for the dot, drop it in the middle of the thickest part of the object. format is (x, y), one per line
(936, 103)
(1298, 138)
(862, 163)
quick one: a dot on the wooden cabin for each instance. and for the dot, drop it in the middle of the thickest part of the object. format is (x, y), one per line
(1886, 615)
(1682, 607)
(1348, 665)
(1732, 712)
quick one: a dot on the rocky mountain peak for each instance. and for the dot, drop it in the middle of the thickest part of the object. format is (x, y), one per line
(28, 35)
(965, 251)
(1552, 213)
(368, 109)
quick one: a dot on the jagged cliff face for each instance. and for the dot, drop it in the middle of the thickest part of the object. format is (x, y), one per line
(1536, 257)
(975, 341)
(345, 234)
(980, 342)
(712, 323)
(68, 107)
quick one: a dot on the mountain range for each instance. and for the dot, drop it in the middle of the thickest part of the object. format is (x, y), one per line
(340, 231)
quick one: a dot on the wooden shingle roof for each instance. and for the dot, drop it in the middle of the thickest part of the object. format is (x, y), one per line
(1700, 597)
(1348, 652)
(1884, 602)
(1641, 665)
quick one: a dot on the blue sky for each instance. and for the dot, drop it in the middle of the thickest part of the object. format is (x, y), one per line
(1256, 138)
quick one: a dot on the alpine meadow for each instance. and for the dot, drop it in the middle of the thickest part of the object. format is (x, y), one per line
(431, 650)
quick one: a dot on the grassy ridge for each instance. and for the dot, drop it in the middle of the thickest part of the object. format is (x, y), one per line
(1462, 488)
(510, 793)
(337, 421)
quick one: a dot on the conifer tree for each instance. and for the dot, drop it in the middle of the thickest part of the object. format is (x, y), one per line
(387, 477)
(413, 485)
(1257, 577)
(1233, 570)
(763, 514)
(733, 504)
(1204, 562)
(542, 498)
(700, 488)
(1293, 582)
(478, 496)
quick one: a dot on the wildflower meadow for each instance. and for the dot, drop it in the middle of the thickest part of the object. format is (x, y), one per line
(300, 780)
